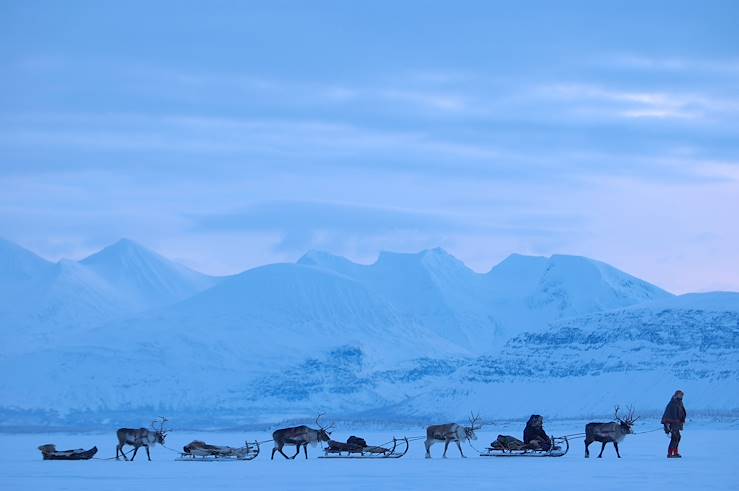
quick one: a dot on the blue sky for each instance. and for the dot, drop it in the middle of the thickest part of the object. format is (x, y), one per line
(231, 134)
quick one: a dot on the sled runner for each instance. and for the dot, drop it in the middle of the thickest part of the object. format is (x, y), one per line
(50, 452)
(199, 451)
(508, 446)
(357, 448)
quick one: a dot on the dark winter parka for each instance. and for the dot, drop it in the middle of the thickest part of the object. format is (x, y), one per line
(675, 413)
(534, 430)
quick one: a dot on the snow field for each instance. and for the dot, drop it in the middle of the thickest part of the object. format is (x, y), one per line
(709, 463)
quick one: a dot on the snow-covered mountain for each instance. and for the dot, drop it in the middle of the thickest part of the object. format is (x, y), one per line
(431, 288)
(635, 355)
(529, 292)
(411, 335)
(46, 302)
(144, 278)
(481, 311)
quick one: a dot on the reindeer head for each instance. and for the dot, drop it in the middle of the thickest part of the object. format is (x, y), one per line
(627, 423)
(159, 430)
(324, 434)
(475, 424)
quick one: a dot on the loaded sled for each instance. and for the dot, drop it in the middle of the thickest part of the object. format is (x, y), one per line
(508, 446)
(199, 451)
(49, 452)
(357, 448)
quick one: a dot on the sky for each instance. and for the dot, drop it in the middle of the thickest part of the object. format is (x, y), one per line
(227, 135)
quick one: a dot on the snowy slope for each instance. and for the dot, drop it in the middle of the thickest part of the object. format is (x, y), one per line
(480, 312)
(19, 265)
(585, 365)
(431, 288)
(144, 278)
(529, 292)
(46, 302)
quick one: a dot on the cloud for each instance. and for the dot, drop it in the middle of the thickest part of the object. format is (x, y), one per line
(673, 64)
(313, 224)
(304, 224)
(636, 104)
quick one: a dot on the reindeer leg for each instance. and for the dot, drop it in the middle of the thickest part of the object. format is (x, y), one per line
(602, 447)
(446, 445)
(284, 454)
(297, 451)
(615, 445)
(273, 453)
(135, 449)
(459, 446)
(148, 455)
(305, 449)
(428, 444)
(587, 452)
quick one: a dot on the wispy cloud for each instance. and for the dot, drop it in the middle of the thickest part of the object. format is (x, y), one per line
(636, 104)
(303, 225)
(673, 64)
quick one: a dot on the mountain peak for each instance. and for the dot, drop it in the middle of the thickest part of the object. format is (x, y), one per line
(317, 258)
(436, 254)
(146, 275)
(123, 250)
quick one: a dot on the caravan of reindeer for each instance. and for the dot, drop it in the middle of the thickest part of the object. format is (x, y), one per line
(355, 447)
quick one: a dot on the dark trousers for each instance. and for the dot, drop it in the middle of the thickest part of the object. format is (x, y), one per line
(674, 435)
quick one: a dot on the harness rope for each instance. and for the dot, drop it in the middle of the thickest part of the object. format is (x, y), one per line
(114, 458)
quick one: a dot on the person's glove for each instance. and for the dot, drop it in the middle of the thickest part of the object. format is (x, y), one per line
(667, 430)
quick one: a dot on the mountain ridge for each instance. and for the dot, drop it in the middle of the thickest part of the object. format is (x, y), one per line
(418, 333)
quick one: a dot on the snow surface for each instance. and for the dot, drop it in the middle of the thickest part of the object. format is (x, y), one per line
(708, 464)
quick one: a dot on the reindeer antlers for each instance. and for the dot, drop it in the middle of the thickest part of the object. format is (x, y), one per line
(324, 428)
(161, 420)
(473, 421)
(630, 419)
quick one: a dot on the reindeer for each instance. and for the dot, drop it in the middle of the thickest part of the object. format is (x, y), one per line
(613, 432)
(141, 437)
(451, 432)
(300, 435)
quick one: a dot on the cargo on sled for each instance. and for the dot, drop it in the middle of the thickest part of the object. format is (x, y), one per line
(508, 446)
(49, 452)
(357, 448)
(199, 451)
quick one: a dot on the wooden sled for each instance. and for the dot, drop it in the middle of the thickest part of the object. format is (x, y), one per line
(340, 450)
(559, 447)
(199, 451)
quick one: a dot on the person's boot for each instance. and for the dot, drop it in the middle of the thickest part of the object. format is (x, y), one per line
(670, 451)
(676, 454)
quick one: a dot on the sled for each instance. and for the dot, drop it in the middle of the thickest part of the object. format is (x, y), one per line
(50, 452)
(199, 451)
(340, 450)
(559, 447)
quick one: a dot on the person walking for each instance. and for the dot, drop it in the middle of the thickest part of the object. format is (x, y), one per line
(673, 420)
